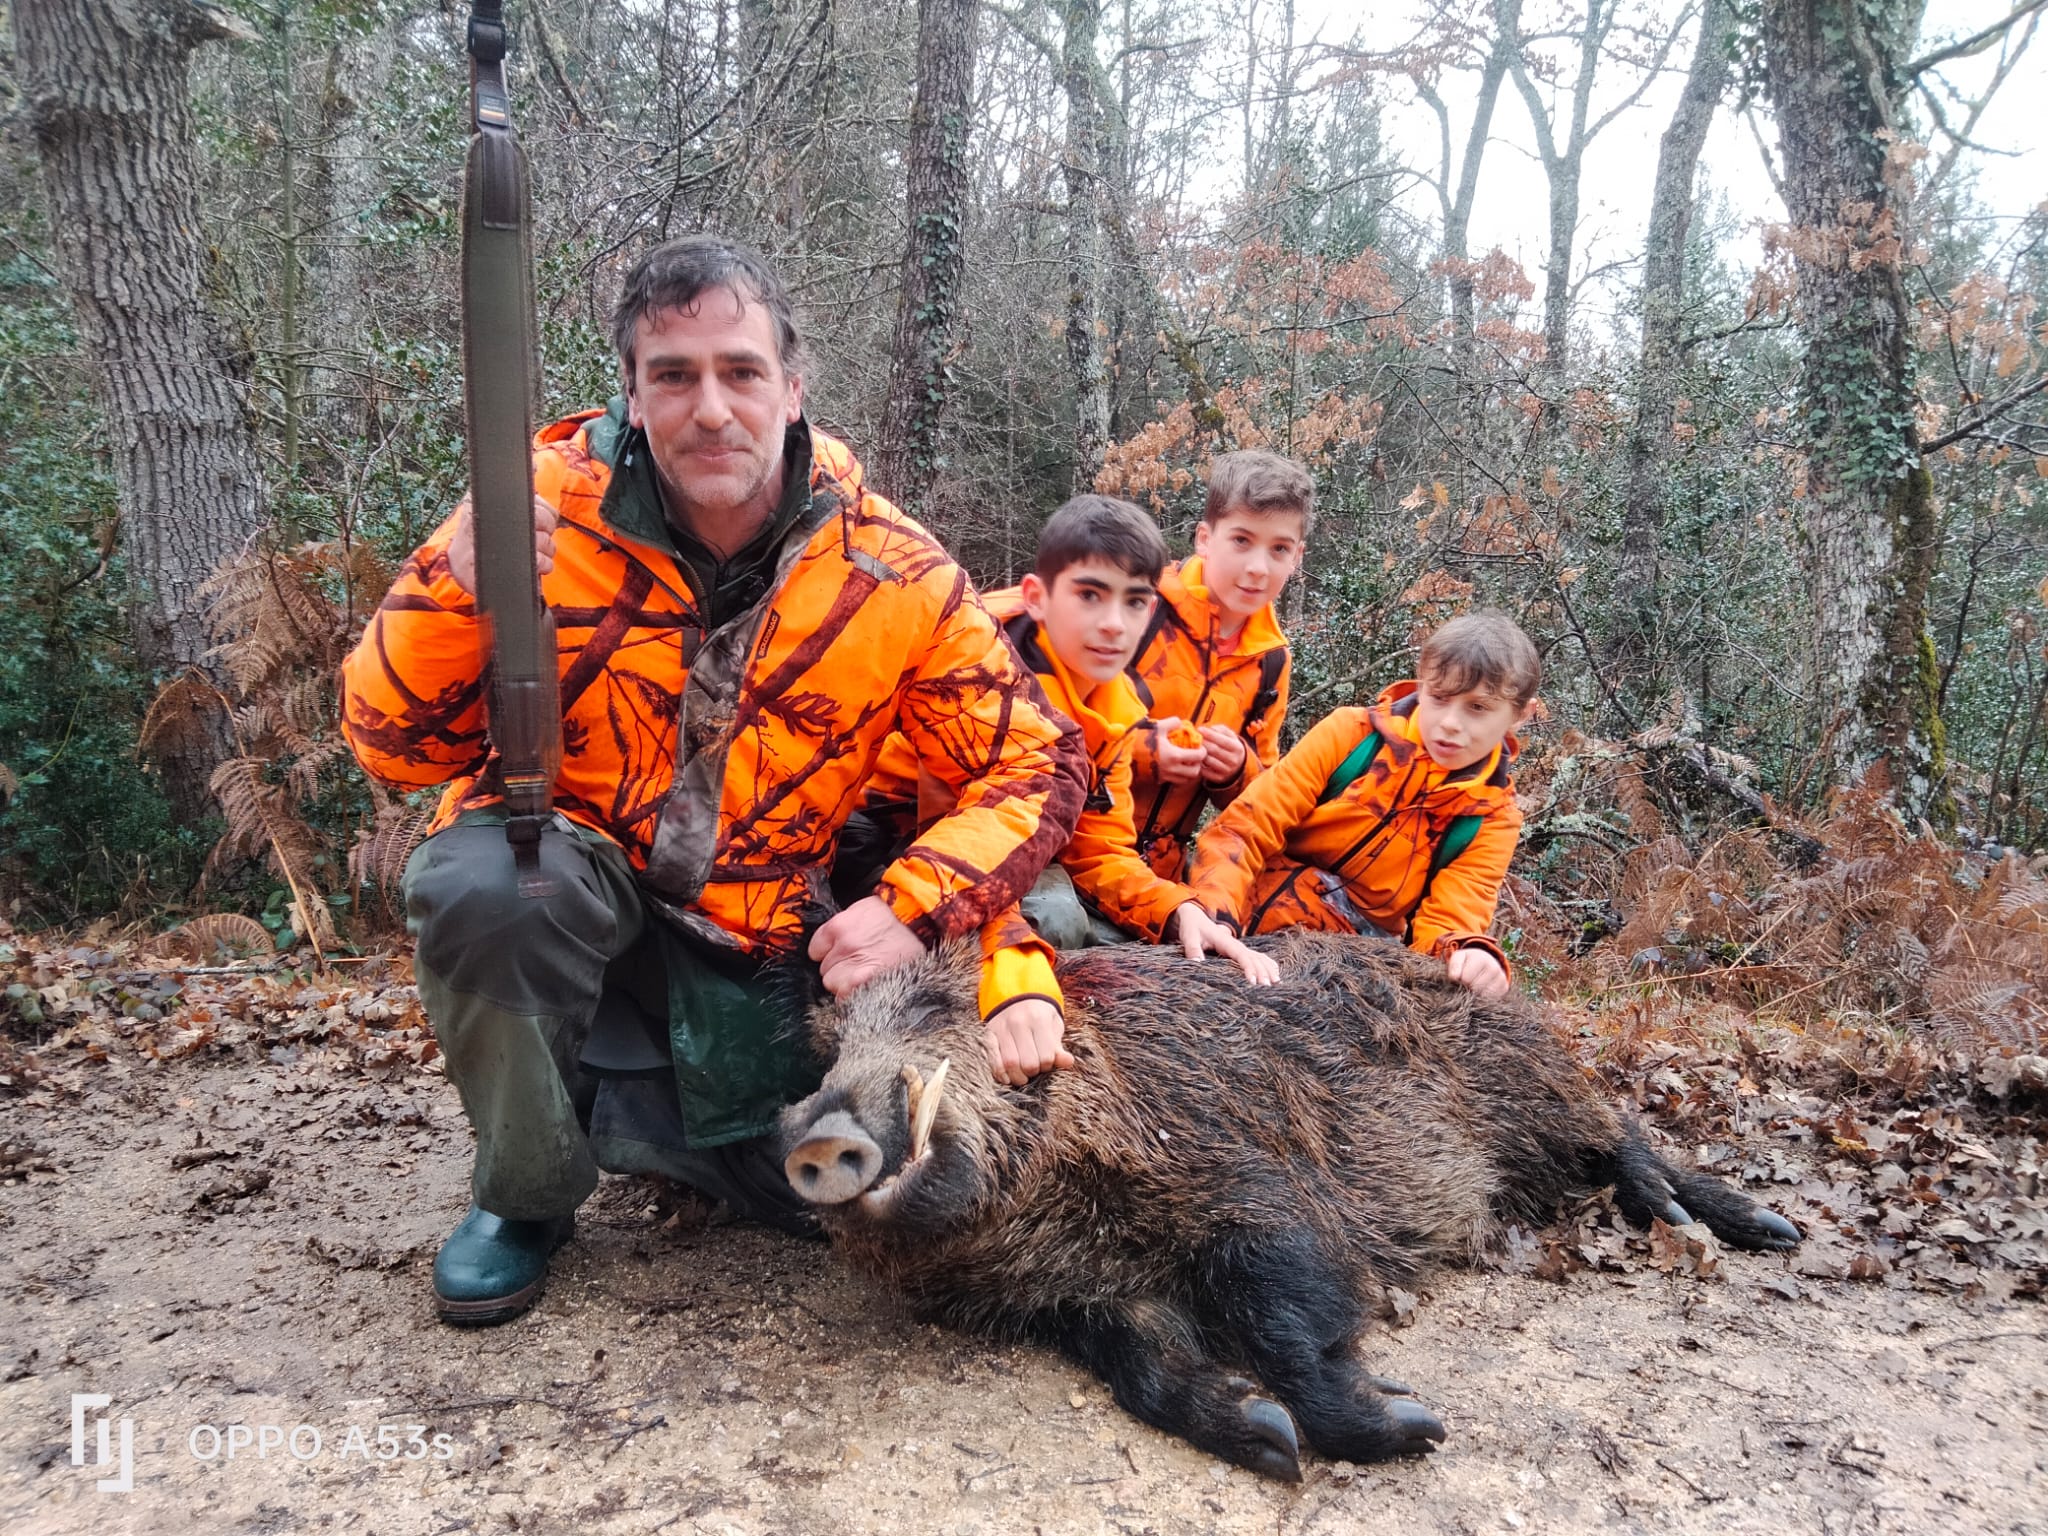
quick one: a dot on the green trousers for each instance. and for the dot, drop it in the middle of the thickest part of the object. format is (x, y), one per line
(511, 984)
(1054, 908)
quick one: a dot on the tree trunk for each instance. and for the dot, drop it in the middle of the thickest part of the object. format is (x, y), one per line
(1833, 70)
(1082, 164)
(1458, 207)
(1561, 166)
(920, 362)
(1646, 456)
(106, 88)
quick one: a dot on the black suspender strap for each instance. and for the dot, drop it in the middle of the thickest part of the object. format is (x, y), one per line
(498, 374)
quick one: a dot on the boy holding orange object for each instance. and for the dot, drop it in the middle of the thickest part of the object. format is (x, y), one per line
(1213, 665)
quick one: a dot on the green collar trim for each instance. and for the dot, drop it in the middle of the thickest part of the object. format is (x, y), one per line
(632, 498)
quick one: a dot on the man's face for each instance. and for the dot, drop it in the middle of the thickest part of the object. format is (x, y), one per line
(1247, 557)
(1460, 729)
(1094, 614)
(708, 387)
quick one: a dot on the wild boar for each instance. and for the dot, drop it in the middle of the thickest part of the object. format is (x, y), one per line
(1207, 1209)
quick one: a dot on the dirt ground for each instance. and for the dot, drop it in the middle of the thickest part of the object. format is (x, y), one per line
(237, 1239)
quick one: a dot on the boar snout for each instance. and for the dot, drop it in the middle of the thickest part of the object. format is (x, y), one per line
(834, 1162)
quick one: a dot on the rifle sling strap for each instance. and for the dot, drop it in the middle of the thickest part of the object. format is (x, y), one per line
(498, 371)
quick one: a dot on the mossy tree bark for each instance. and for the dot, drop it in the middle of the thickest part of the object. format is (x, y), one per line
(107, 94)
(1082, 163)
(920, 365)
(1835, 74)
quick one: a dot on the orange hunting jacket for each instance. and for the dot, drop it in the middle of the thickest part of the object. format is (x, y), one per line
(1275, 857)
(1102, 855)
(726, 763)
(1182, 672)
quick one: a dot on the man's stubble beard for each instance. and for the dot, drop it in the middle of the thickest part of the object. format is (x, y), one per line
(695, 515)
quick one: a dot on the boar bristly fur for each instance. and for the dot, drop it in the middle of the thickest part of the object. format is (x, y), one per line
(1207, 1210)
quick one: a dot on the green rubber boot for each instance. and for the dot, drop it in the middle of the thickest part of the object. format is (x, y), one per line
(490, 1269)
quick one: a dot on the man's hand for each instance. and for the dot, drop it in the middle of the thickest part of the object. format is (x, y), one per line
(462, 543)
(1222, 754)
(1476, 969)
(1197, 931)
(1177, 765)
(1023, 1040)
(864, 940)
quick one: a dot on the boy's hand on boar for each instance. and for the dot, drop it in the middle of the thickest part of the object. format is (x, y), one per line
(1023, 1040)
(864, 940)
(1197, 931)
(1475, 968)
(1181, 751)
(1222, 754)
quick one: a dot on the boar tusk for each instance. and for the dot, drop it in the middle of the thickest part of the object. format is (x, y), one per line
(913, 1084)
(927, 1110)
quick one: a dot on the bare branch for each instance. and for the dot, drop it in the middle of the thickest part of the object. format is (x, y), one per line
(1985, 417)
(1974, 44)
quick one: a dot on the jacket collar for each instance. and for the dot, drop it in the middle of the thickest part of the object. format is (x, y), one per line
(1182, 588)
(1104, 711)
(632, 498)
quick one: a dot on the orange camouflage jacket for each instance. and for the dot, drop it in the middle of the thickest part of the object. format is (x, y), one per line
(1102, 855)
(1184, 671)
(1280, 856)
(726, 762)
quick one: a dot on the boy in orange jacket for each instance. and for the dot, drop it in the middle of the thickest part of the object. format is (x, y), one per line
(1076, 621)
(1213, 657)
(1400, 817)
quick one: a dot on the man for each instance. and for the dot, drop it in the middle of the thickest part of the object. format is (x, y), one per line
(740, 625)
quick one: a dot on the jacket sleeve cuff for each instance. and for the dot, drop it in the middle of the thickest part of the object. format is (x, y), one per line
(911, 915)
(1159, 909)
(1013, 974)
(1450, 943)
(1224, 790)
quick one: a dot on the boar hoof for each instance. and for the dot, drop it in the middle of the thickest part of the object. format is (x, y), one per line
(1413, 1425)
(1279, 1452)
(1391, 1387)
(1677, 1215)
(836, 1161)
(1777, 1231)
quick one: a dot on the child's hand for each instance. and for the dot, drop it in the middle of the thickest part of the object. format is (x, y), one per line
(1023, 1040)
(1179, 762)
(1198, 931)
(1476, 969)
(1222, 754)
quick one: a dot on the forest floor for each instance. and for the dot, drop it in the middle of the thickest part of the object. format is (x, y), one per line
(225, 1214)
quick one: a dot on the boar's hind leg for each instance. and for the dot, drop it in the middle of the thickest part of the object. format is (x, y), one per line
(1154, 1362)
(1297, 1317)
(1647, 1187)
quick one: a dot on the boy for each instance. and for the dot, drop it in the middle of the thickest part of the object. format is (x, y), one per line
(1214, 657)
(1076, 621)
(1399, 818)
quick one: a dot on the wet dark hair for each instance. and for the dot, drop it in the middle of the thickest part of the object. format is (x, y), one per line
(1094, 527)
(1482, 650)
(674, 276)
(1260, 483)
